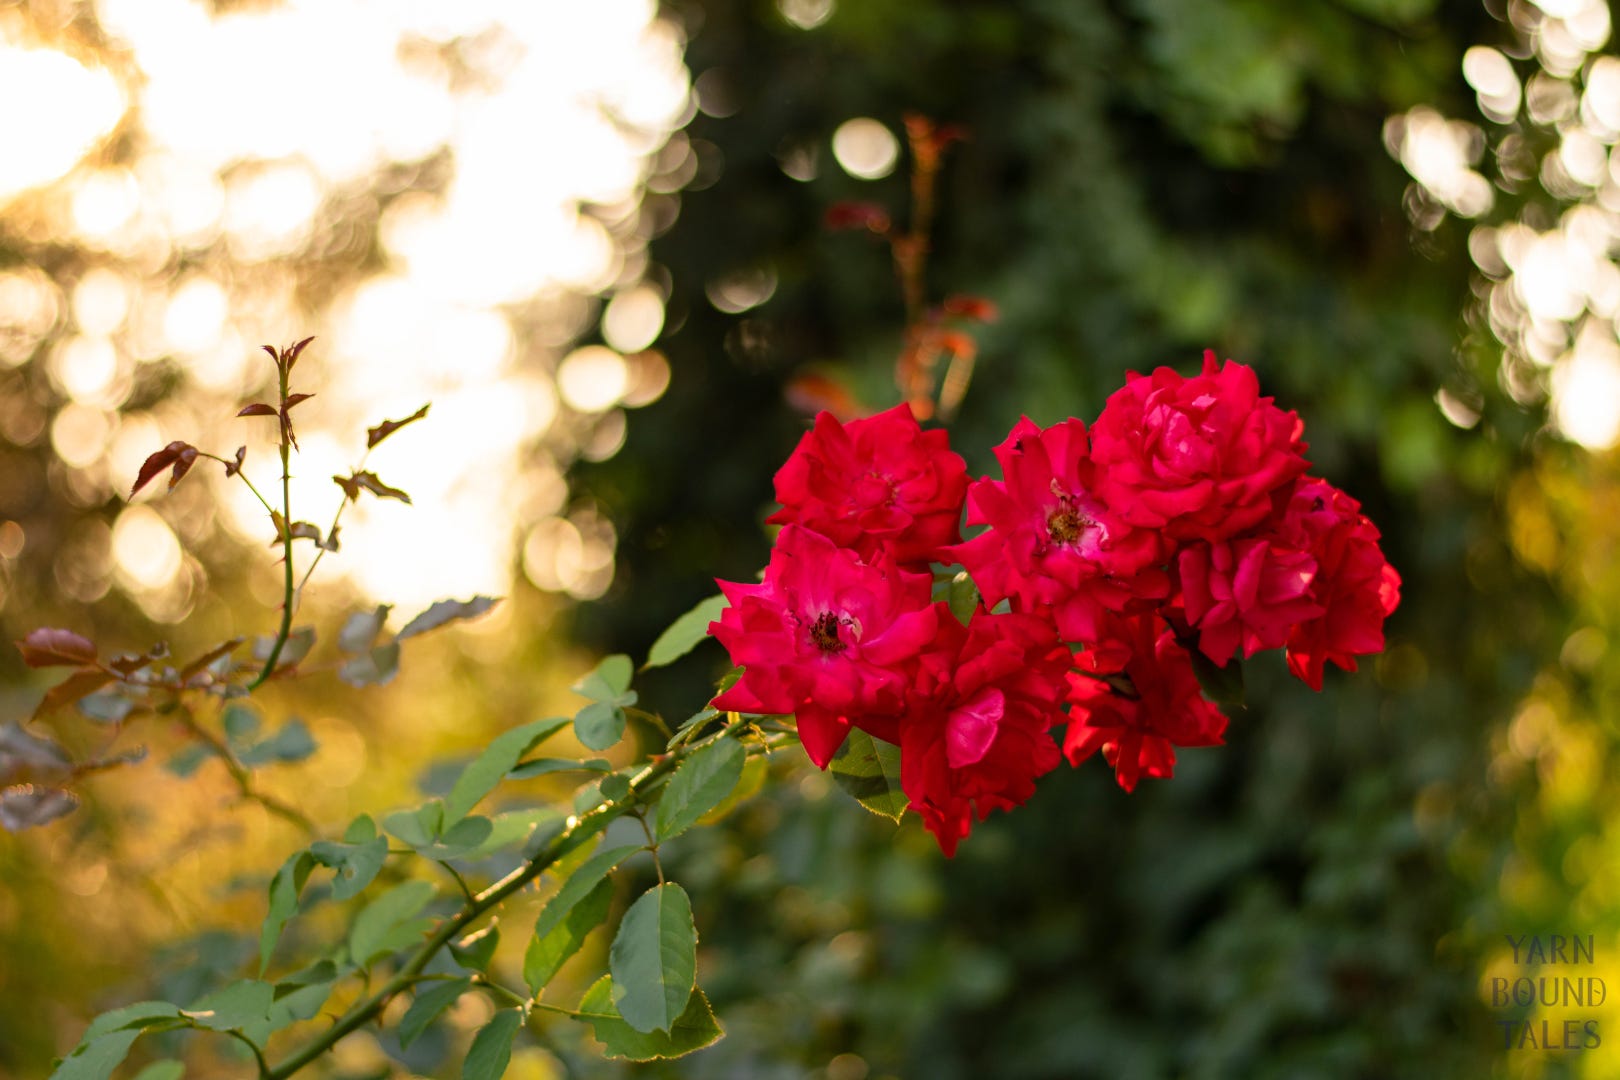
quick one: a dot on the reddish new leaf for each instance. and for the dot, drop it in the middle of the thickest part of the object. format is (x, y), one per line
(971, 307)
(234, 467)
(169, 455)
(80, 684)
(331, 541)
(388, 427)
(292, 353)
(258, 408)
(857, 215)
(224, 648)
(368, 481)
(301, 530)
(47, 647)
(129, 663)
(182, 465)
(294, 399)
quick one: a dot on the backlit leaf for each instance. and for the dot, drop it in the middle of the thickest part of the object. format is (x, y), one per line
(445, 611)
(388, 427)
(360, 630)
(693, 1030)
(284, 890)
(685, 633)
(47, 647)
(870, 771)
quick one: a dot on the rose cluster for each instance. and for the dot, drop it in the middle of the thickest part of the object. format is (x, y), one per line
(1183, 519)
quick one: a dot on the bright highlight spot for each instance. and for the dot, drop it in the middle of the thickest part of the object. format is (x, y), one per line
(43, 144)
(865, 148)
(145, 550)
(592, 378)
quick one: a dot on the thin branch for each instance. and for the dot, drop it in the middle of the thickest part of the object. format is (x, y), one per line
(581, 829)
(282, 368)
(242, 777)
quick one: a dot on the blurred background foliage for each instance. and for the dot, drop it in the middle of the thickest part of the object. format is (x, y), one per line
(1401, 212)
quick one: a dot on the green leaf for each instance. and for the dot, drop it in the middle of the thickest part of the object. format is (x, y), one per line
(542, 766)
(427, 1004)
(374, 667)
(235, 1007)
(187, 759)
(491, 1048)
(654, 959)
(476, 951)
(693, 1030)
(162, 1070)
(284, 890)
(513, 828)
(599, 725)
(870, 771)
(700, 784)
(610, 681)
(292, 743)
(547, 953)
(445, 611)
(488, 768)
(131, 1017)
(416, 828)
(458, 841)
(356, 863)
(614, 787)
(375, 929)
(97, 1058)
(579, 885)
(241, 723)
(685, 633)
(106, 707)
(1222, 685)
(691, 726)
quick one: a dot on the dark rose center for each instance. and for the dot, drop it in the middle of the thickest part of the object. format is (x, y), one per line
(1064, 526)
(824, 633)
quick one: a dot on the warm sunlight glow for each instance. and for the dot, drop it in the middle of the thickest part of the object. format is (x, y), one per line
(43, 143)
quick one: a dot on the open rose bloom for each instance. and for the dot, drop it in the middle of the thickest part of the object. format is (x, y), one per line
(1181, 522)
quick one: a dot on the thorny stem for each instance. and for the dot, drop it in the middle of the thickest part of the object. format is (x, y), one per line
(242, 777)
(581, 830)
(282, 370)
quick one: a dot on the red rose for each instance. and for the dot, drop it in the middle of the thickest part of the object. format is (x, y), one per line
(826, 637)
(1052, 544)
(1198, 458)
(876, 483)
(1249, 593)
(1355, 586)
(976, 733)
(1138, 721)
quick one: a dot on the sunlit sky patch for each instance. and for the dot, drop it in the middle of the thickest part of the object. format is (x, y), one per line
(258, 149)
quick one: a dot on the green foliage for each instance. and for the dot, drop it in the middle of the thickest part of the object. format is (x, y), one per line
(685, 633)
(548, 952)
(492, 1047)
(601, 724)
(389, 923)
(654, 959)
(492, 765)
(701, 783)
(694, 1029)
(430, 1000)
(870, 771)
